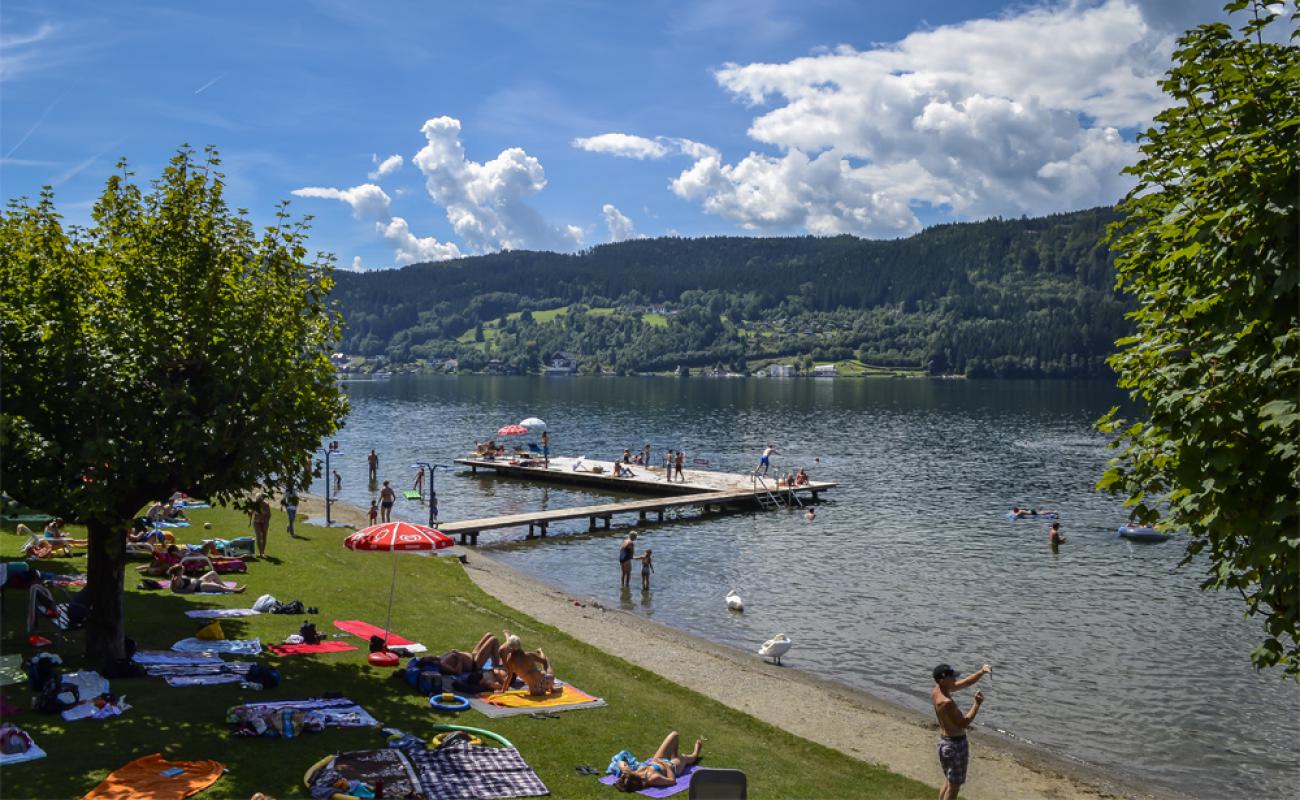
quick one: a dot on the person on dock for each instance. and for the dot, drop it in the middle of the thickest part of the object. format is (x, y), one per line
(646, 568)
(954, 750)
(1054, 537)
(627, 552)
(374, 512)
(260, 518)
(386, 498)
(647, 457)
(765, 460)
(418, 486)
(627, 456)
(678, 461)
(668, 464)
(546, 450)
(372, 462)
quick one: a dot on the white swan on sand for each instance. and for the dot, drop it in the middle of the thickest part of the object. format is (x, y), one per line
(734, 602)
(776, 647)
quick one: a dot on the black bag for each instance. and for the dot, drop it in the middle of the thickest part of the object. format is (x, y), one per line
(48, 701)
(294, 607)
(261, 673)
(309, 634)
(377, 644)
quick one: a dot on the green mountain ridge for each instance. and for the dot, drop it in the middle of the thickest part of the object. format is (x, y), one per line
(1008, 298)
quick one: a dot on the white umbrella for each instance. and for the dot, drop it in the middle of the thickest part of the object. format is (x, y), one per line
(533, 423)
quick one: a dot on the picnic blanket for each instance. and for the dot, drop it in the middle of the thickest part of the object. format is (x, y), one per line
(459, 771)
(365, 630)
(30, 754)
(204, 674)
(238, 647)
(517, 701)
(219, 613)
(310, 649)
(11, 669)
(151, 778)
(171, 657)
(338, 712)
(682, 783)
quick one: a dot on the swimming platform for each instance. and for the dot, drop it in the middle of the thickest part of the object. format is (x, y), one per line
(702, 488)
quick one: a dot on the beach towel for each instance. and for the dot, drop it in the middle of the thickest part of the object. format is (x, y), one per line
(170, 657)
(462, 771)
(30, 754)
(365, 630)
(239, 647)
(682, 783)
(338, 712)
(369, 767)
(310, 649)
(201, 674)
(219, 613)
(516, 701)
(152, 778)
(172, 524)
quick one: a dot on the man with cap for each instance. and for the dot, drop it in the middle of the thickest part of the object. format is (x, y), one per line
(954, 751)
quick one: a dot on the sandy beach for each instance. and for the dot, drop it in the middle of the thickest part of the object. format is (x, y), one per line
(831, 714)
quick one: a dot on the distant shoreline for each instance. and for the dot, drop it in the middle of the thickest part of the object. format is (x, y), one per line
(844, 718)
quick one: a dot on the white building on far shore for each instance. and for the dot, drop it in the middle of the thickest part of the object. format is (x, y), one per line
(825, 371)
(781, 371)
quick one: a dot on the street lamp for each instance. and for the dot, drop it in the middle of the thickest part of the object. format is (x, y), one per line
(432, 469)
(332, 450)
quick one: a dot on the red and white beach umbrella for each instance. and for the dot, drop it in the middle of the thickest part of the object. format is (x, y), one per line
(512, 430)
(398, 536)
(395, 537)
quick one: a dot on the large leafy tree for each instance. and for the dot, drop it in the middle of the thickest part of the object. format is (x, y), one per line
(170, 345)
(1208, 247)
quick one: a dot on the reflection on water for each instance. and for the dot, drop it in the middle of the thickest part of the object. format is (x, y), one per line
(1104, 650)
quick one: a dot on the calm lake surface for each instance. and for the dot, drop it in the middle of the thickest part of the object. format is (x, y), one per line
(1105, 652)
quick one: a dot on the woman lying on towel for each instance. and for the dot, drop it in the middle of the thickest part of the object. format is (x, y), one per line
(207, 582)
(533, 668)
(661, 769)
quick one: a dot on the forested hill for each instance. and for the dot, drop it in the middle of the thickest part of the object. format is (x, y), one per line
(1001, 297)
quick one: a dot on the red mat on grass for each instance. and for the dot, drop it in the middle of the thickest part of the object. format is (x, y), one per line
(308, 649)
(365, 630)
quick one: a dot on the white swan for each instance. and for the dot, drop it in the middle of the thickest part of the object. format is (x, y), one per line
(734, 602)
(776, 647)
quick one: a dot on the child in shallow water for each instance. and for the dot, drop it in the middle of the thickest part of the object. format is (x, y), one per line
(646, 568)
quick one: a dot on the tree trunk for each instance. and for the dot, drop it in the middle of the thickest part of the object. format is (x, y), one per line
(105, 568)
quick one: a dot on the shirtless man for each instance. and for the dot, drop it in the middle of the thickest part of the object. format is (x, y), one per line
(455, 662)
(954, 751)
(386, 498)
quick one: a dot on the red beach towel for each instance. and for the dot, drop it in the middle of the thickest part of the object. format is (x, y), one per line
(365, 630)
(309, 649)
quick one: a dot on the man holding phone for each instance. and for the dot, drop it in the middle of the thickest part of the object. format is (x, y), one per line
(954, 750)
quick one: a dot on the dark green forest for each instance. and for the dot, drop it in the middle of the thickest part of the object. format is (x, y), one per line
(1004, 298)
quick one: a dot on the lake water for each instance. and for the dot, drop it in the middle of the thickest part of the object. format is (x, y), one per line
(1105, 652)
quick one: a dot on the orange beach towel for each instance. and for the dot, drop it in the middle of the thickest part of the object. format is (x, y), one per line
(143, 779)
(519, 698)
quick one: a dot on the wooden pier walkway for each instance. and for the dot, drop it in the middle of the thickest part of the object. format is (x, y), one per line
(702, 488)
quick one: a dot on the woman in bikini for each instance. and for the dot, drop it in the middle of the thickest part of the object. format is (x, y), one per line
(207, 582)
(660, 770)
(532, 667)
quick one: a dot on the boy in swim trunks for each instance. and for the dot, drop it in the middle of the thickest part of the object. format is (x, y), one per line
(954, 750)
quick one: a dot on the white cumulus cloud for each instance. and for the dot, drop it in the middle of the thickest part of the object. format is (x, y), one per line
(368, 201)
(1018, 114)
(484, 201)
(385, 167)
(627, 145)
(410, 249)
(371, 203)
(620, 227)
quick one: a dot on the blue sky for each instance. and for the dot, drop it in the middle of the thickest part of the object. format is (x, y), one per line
(561, 125)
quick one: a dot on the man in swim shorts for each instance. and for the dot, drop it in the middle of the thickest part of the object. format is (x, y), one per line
(765, 460)
(954, 750)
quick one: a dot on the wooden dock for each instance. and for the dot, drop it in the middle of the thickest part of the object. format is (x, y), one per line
(704, 489)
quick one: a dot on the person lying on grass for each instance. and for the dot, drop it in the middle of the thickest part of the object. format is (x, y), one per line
(458, 662)
(660, 770)
(533, 668)
(207, 582)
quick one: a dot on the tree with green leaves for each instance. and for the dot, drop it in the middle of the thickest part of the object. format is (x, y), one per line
(170, 345)
(1208, 248)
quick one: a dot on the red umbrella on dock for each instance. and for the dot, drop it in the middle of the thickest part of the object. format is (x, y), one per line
(512, 430)
(396, 537)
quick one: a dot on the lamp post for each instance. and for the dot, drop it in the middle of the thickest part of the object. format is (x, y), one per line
(432, 469)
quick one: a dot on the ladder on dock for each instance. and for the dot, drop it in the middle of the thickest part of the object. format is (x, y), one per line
(763, 495)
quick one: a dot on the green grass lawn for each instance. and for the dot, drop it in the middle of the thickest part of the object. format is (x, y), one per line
(655, 320)
(436, 604)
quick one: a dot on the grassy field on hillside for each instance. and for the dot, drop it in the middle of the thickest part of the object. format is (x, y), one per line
(436, 604)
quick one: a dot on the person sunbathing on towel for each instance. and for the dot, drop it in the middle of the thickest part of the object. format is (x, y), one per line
(458, 662)
(532, 667)
(660, 770)
(207, 582)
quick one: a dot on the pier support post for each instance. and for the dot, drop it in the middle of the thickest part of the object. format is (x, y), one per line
(591, 524)
(606, 518)
(473, 469)
(473, 538)
(641, 515)
(661, 515)
(544, 524)
(530, 530)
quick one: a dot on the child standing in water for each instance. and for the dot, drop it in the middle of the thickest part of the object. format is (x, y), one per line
(646, 569)
(374, 511)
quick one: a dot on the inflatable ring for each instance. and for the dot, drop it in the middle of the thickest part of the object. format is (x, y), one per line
(496, 737)
(449, 702)
(437, 739)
